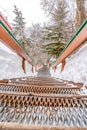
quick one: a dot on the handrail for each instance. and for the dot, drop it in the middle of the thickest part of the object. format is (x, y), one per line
(74, 43)
(11, 38)
(75, 35)
(5, 21)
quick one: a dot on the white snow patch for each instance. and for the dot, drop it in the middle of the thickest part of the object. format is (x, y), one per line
(5, 48)
(75, 68)
(11, 64)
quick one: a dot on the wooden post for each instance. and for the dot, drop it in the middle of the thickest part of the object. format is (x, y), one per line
(33, 69)
(55, 68)
(63, 65)
(50, 65)
(23, 65)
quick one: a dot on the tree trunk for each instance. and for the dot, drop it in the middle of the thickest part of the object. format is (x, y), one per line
(80, 13)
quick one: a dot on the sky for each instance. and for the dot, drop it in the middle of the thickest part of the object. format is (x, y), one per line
(31, 10)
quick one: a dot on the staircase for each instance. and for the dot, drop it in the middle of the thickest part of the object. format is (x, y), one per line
(43, 101)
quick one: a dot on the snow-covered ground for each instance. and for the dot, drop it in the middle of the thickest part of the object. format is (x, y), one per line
(11, 65)
(75, 68)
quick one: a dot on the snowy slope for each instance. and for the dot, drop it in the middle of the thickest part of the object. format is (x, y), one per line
(75, 68)
(10, 64)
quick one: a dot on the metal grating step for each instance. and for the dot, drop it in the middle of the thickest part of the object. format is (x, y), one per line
(43, 110)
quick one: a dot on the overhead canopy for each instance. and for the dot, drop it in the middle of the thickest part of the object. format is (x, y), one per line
(79, 38)
(9, 39)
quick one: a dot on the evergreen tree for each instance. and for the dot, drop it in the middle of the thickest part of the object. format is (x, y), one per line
(35, 35)
(19, 30)
(53, 49)
(59, 31)
(19, 24)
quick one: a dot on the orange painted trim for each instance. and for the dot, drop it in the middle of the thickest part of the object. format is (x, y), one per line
(23, 65)
(5, 22)
(80, 39)
(33, 69)
(63, 64)
(11, 43)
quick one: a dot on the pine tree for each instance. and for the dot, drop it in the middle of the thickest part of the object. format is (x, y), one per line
(35, 35)
(19, 30)
(19, 24)
(57, 34)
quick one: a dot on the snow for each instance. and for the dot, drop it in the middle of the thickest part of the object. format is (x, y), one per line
(11, 64)
(5, 48)
(75, 69)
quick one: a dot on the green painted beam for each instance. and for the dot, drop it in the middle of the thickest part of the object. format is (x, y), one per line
(10, 33)
(75, 35)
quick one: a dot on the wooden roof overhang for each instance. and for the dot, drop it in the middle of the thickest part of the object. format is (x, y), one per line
(77, 40)
(9, 40)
